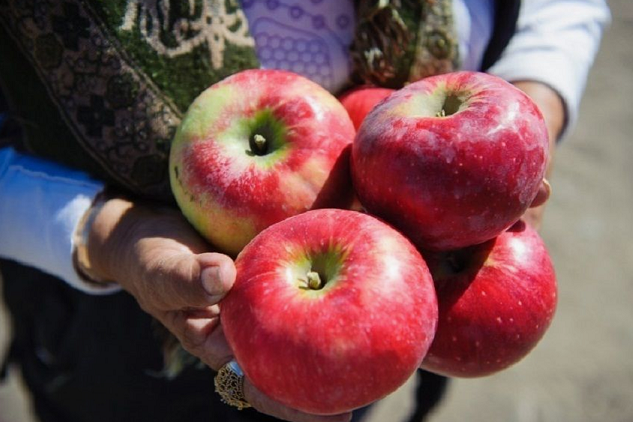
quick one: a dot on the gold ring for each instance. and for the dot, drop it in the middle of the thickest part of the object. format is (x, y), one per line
(229, 384)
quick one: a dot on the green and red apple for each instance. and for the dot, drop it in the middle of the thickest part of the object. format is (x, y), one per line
(331, 310)
(256, 148)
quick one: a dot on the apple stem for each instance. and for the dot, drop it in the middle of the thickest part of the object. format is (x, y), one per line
(314, 280)
(260, 142)
(441, 113)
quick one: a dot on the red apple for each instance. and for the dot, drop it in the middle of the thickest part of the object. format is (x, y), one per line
(361, 100)
(451, 160)
(496, 300)
(256, 148)
(331, 310)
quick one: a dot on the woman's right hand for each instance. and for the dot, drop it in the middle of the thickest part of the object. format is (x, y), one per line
(155, 255)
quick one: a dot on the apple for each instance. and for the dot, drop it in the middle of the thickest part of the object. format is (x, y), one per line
(257, 148)
(361, 100)
(331, 310)
(451, 160)
(496, 300)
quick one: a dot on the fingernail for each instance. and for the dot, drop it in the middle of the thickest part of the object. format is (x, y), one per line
(212, 281)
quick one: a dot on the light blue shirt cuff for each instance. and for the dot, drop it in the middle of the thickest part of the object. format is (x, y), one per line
(41, 204)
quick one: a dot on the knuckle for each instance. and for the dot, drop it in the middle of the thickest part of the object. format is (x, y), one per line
(191, 340)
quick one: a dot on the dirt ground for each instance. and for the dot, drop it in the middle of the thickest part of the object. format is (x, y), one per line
(583, 368)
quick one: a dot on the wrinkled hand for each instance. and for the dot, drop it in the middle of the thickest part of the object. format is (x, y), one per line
(154, 254)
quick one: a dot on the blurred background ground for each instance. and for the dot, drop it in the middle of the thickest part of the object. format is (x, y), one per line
(583, 368)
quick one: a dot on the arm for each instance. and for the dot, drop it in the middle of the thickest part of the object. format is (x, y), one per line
(146, 249)
(555, 44)
(549, 58)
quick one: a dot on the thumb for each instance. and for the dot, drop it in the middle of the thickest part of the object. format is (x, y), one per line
(217, 274)
(543, 194)
(185, 280)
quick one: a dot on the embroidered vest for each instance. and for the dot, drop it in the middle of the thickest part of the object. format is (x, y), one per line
(102, 85)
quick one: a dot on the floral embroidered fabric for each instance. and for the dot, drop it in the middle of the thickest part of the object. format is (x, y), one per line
(121, 74)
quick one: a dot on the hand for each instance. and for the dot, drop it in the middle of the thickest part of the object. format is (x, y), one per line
(154, 254)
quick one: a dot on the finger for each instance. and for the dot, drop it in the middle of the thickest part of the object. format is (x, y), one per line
(543, 194)
(534, 217)
(200, 334)
(264, 404)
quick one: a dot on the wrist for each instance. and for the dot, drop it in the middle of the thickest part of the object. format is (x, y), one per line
(98, 254)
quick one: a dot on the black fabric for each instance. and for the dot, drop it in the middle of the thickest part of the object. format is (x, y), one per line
(506, 16)
(10, 130)
(95, 358)
(429, 392)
